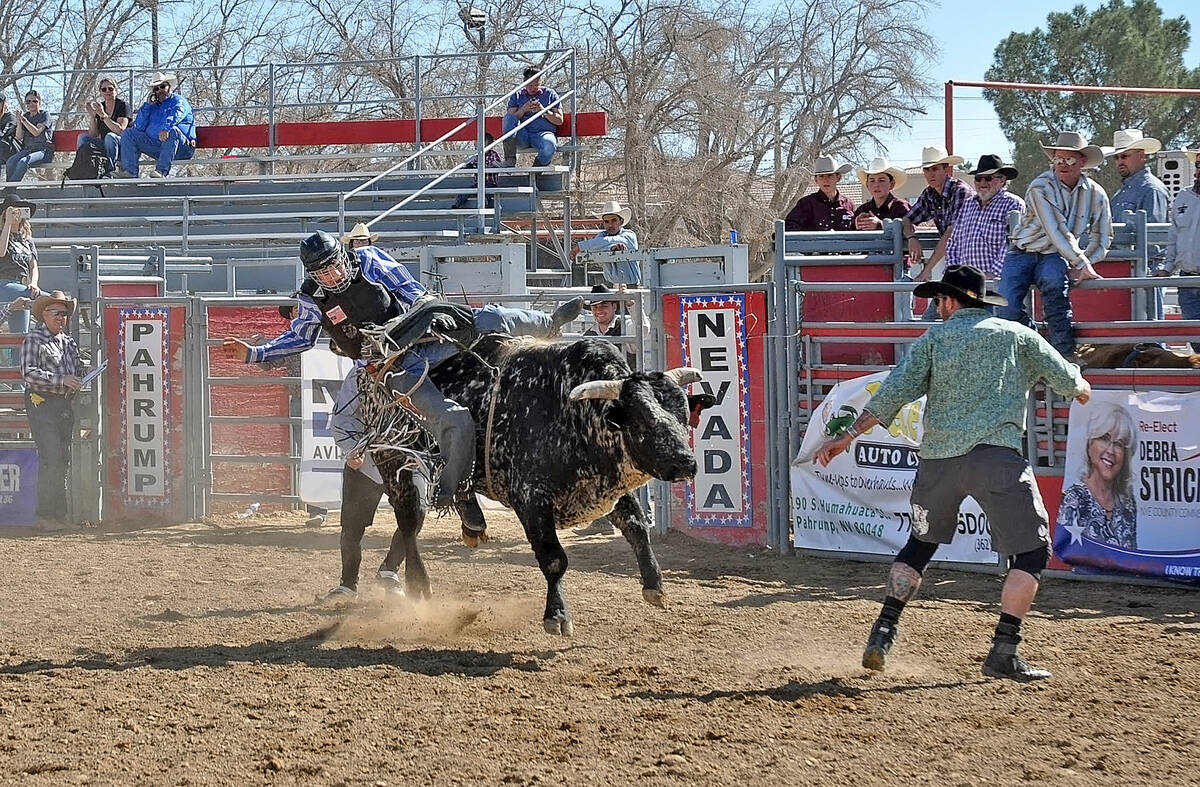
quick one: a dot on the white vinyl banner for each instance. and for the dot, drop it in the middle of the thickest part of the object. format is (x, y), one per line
(321, 462)
(859, 503)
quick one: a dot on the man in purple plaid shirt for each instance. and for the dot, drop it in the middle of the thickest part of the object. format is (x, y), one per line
(979, 235)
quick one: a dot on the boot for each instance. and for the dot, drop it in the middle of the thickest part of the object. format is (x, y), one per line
(474, 526)
(883, 634)
(564, 314)
(510, 152)
(1003, 662)
(452, 426)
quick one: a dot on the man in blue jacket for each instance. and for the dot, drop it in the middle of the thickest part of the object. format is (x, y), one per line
(163, 129)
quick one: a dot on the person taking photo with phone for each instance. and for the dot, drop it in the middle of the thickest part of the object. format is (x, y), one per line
(18, 259)
(33, 133)
(108, 117)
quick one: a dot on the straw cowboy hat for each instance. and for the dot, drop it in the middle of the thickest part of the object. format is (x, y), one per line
(994, 165)
(932, 155)
(602, 294)
(1192, 155)
(360, 232)
(613, 208)
(159, 78)
(45, 299)
(12, 201)
(881, 165)
(1093, 155)
(1132, 139)
(961, 281)
(828, 165)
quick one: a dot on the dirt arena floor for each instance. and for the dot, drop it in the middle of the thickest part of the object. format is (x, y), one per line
(194, 655)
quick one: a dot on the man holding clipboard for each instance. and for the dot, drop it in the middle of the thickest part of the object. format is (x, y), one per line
(52, 370)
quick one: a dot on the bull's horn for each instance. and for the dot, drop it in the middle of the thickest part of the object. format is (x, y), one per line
(597, 389)
(684, 376)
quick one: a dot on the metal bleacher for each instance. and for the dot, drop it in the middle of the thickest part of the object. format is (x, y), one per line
(246, 207)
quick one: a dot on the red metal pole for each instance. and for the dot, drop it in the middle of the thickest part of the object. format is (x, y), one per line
(1173, 91)
(949, 116)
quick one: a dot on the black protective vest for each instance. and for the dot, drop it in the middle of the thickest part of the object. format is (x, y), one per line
(342, 313)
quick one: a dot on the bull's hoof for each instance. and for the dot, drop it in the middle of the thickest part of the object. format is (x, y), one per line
(655, 597)
(473, 538)
(559, 626)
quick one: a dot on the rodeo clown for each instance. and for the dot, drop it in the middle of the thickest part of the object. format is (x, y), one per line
(344, 291)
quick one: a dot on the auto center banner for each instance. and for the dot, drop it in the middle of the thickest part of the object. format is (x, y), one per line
(859, 503)
(1131, 486)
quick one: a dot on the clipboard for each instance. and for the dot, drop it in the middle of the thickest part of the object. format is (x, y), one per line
(92, 375)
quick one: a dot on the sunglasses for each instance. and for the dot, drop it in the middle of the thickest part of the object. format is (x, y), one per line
(56, 312)
(32, 101)
(1068, 161)
(984, 178)
(107, 89)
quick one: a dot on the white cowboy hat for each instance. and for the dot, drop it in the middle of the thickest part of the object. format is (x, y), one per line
(937, 154)
(880, 165)
(1132, 139)
(613, 208)
(828, 165)
(160, 78)
(1093, 155)
(47, 298)
(360, 232)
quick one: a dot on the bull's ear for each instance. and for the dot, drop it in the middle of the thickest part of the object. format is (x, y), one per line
(702, 401)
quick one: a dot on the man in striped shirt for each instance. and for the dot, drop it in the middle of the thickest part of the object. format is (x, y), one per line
(979, 236)
(1066, 230)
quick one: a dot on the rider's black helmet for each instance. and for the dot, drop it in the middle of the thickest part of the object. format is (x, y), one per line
(320, 250)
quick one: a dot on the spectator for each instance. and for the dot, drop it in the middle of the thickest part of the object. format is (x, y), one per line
(491, 160)
(164, 129)
(979, 235)
(1140, 190)
(360, 236)
(1183, 243)
(879, 179)
(34, 130)
(542, 132)
(107, 120)
(51, 368)
(8, 131)
(940, 202)
(615, 236)
(1064, 209)
(18, 258)
(826, 208)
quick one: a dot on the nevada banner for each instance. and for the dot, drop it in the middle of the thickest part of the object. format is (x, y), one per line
(859, 503)
(1131, 485)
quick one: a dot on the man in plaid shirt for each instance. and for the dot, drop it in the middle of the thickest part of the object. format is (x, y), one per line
(940, 202)
(979, 235)
(51, 369)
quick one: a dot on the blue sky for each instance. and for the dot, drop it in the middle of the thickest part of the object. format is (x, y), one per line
(969, 32)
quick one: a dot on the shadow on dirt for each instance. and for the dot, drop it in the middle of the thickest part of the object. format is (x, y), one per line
(795, 690)
(306, 650)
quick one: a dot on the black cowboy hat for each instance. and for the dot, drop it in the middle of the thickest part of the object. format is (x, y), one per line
(992, 165)
(602, 294)
(11, 200)
(963, 282)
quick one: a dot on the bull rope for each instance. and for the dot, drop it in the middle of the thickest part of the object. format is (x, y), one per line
(487, 433)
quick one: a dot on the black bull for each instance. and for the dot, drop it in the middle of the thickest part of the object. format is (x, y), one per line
(573, 433)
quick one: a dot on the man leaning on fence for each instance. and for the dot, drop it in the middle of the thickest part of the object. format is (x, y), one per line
(1183, 243)
(939, 202)
(164, 129)
(1066, 229)
(979, 235)
(976, 372)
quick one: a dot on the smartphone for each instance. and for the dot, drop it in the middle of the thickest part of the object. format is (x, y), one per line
(23, 213)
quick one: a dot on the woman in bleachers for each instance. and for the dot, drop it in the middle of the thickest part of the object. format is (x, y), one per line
(18, 266)
(108, 117)
(879, 179)
(34, 134)
(8, 131)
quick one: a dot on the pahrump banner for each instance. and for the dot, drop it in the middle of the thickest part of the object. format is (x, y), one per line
(859, 503)
(1131, 485)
